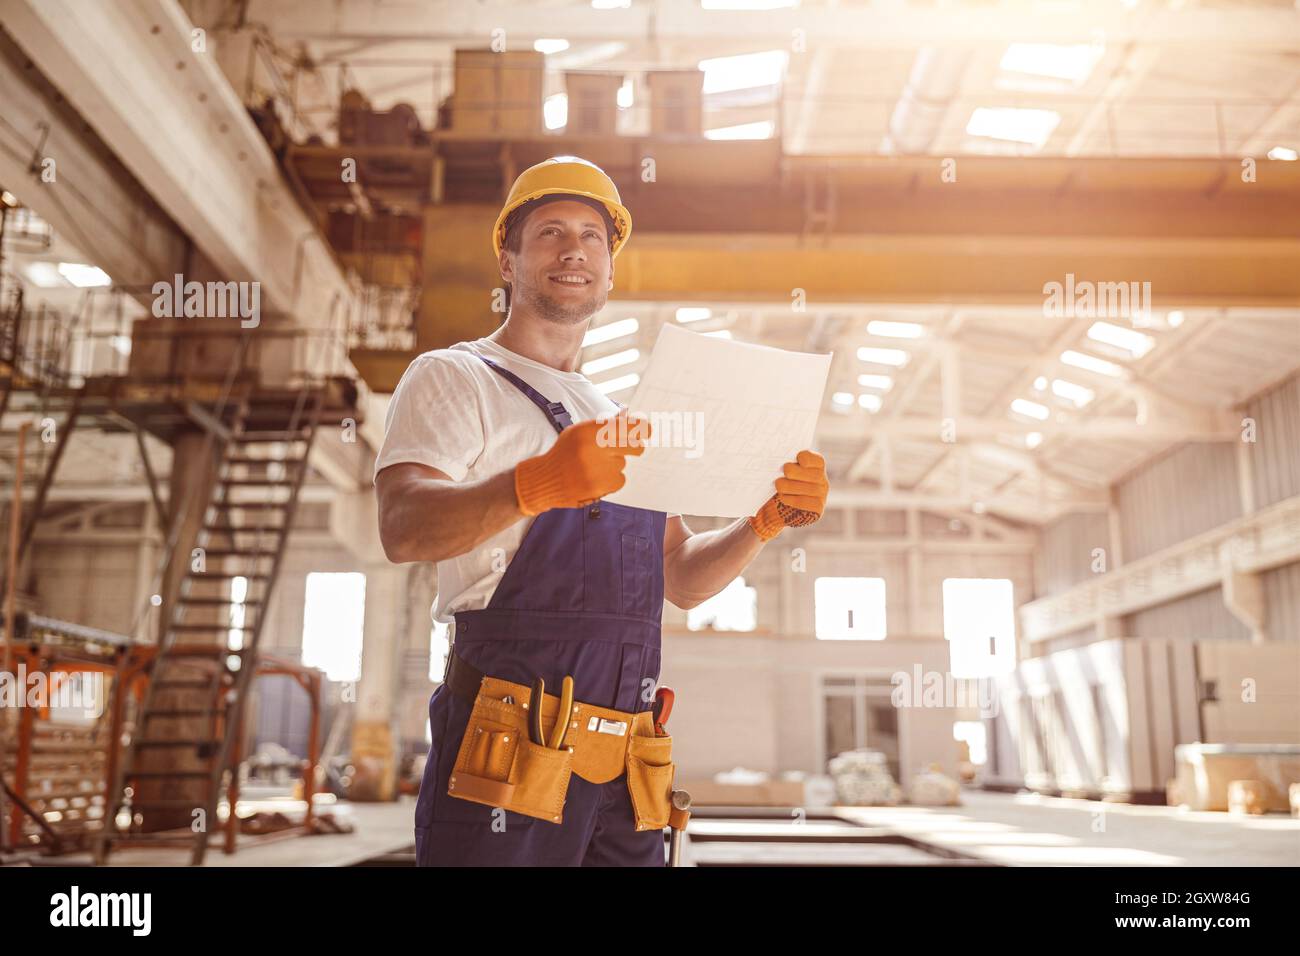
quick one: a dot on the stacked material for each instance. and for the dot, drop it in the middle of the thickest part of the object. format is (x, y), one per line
(862, 779)
(930, 788)
(1204, 775)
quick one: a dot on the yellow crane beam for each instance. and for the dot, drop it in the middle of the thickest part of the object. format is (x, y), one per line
(872, 229)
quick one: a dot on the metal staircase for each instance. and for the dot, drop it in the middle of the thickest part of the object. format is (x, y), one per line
(178, 704)
(38, 410)
(186, 734)
(11, 316)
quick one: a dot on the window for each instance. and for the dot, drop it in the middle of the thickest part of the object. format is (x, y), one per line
(860, 714)
(979, 623)
(439, 648)
(333, 622)
(734, 608)
(849, 609)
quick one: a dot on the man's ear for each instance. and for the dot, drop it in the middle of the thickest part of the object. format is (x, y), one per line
(505, 265)
(611, 276)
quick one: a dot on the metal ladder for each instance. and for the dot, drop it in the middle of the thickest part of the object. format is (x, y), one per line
(244, 533)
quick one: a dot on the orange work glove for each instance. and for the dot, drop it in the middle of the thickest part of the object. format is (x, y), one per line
(585, 463)
(800, 496)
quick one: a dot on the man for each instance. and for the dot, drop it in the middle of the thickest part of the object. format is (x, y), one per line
(493, 465)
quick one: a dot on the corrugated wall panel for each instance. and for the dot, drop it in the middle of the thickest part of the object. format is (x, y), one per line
(1190, 490)
(1065, 551)
(1276, 452)
(1197, 617)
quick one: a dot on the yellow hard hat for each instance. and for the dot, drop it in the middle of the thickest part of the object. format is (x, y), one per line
(571, 176)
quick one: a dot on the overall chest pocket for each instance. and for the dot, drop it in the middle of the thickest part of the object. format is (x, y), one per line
(636, 555)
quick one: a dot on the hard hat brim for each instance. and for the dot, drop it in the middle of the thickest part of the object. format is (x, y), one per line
(617, 212)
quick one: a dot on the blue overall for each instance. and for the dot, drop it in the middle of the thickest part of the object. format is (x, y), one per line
(582, 596)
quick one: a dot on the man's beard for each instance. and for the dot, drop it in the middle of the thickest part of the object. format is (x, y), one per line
(552, 310)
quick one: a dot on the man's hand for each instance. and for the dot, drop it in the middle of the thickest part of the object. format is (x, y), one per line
(585, 463)
(800, 497)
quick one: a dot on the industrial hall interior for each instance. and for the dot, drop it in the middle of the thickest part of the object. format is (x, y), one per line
(965, 531)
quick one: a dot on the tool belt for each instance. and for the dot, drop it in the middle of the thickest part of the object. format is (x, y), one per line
(499, 766)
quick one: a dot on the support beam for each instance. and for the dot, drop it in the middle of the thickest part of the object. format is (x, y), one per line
(914, 570)
(130, 69)
(903, 398)
(1246, 476)
(65, 430)
(352, 522)
(886, 445)
(787, 617)
(1021, 508)
(93, 200)
(147, 543)
(1069, 332)
(950, 381)
(1278, 128)
(814, 80)
(860, 28)
(195, 457)
(926, 547)
(1114, 529)
(1206, 421)
(1218, 429)
(374, 749)
(80, 491)
(1137, 62)
(159, 508)
(1189, 227)
(966, 269)
(1243, 595)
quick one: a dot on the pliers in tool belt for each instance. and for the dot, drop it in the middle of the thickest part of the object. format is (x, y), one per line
(562, 715)
(535, 713)
(535, 703)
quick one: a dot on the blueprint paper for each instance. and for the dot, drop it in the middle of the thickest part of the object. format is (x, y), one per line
(725, 416)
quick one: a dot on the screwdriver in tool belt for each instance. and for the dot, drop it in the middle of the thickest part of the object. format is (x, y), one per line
(663, 706)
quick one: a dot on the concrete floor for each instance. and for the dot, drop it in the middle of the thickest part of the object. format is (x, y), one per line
(999, 828)
(380, 828)
(1031, 830)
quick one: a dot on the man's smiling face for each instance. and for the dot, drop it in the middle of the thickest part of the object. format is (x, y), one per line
(562, 269)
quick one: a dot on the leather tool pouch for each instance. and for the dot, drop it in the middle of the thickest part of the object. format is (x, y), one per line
(650, 777)
(499, 766)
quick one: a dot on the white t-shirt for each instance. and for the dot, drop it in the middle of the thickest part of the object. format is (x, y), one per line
(452, 412)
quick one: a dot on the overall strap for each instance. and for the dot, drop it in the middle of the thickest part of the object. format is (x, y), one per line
(555, 412)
